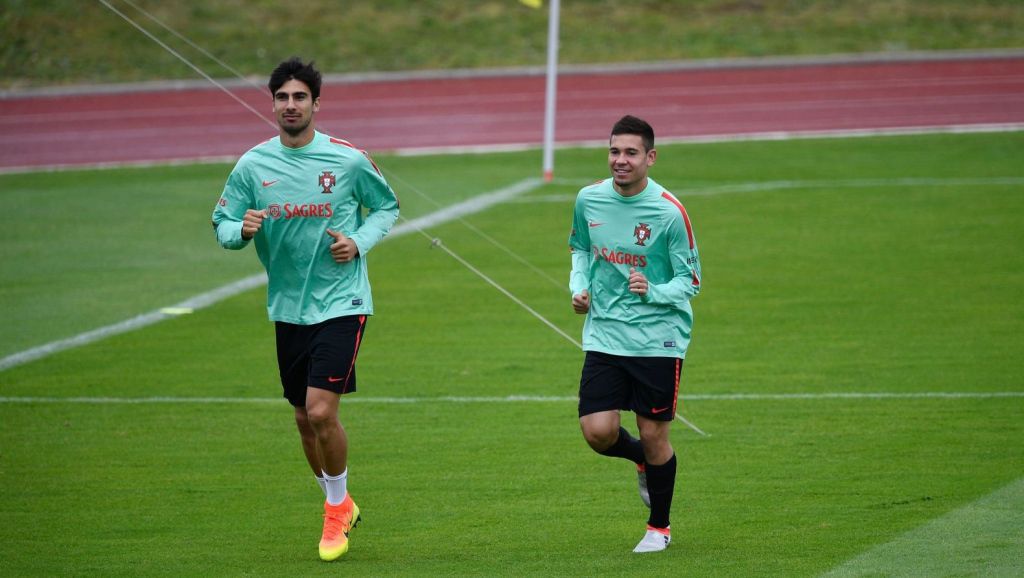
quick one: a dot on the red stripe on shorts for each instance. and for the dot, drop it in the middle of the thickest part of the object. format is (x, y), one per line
(359, 337)
(675, 398)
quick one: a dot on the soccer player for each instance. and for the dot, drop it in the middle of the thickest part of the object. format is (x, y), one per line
(634, 270)
(300, 197)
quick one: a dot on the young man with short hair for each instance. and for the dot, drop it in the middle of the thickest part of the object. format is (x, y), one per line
(299, 198)
(635, 269)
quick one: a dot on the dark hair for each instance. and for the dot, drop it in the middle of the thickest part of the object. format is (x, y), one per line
(293, 68)
(638, 126)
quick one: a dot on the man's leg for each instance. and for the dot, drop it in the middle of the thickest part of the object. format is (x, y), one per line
(661, 479)
(331, 442)
(340, 513)
(308, 438)
(606, 436)
(605, 387)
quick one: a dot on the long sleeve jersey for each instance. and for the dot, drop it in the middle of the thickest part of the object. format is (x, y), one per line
(325, 184)
(650, 232)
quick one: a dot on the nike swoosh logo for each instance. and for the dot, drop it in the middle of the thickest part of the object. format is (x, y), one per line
(335, 379)
(268, 183)
(592, 225)
(656, 410)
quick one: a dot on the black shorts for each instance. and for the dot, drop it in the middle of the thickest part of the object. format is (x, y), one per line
(321, 356)
(647, 386)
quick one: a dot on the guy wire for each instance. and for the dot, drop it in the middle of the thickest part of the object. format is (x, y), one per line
(485, 236)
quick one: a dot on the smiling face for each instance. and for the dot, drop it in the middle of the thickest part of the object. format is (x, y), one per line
(629, 161)
(294, 108)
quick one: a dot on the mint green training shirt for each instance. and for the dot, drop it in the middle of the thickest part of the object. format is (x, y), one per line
(325, 184)
(651, 232)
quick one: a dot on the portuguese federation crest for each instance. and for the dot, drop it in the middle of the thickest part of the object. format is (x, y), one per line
(327, 181)
(642, 232)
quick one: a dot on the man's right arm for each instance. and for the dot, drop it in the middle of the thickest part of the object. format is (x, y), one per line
(231, 213)
(579, 248)
(579, 277)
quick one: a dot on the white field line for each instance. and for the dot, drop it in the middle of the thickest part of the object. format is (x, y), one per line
(470, 206)
(731, 137)
(855, 184)
(753, 187)
(528, 398)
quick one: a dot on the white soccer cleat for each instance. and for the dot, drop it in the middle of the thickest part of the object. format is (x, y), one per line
(641, 482)
(655, 540)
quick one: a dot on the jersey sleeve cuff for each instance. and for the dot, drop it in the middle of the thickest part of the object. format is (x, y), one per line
(229, 233)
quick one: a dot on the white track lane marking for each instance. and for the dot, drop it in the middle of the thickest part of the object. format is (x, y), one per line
(528, 146)
(684, 88)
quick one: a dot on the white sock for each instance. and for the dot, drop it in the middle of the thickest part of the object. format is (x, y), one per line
(322, 483)
(336, 487)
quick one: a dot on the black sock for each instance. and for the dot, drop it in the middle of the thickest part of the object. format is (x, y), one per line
(661, 482)
(626, 447)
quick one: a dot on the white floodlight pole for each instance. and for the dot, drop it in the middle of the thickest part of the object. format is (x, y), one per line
(550, 93)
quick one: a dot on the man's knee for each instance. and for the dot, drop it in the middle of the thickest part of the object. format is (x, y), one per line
(600, 436)
(302, 422)
(654, 439)
(321, 414)
(600, 429)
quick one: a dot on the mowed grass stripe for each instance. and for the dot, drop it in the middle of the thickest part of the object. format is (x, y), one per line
(985, 534)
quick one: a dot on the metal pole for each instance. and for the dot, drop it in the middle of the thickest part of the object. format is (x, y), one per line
(550, 92)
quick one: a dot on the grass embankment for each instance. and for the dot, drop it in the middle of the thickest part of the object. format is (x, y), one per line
(70, 41)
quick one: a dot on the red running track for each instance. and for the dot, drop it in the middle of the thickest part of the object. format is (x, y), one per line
(390, 115)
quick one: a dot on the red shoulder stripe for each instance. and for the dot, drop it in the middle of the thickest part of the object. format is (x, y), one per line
(689, 230)
(369, 158)
(686, 218)
(342, 142)
(364, 153)
(352, 146)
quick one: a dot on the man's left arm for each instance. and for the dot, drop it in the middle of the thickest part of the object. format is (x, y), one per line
(376, 195)
(686, 278)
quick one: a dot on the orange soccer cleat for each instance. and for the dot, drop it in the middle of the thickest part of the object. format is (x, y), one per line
(338, 522)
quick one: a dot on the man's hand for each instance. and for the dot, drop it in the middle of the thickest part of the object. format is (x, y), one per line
(637, 282)
(581, 302)
(252, 222)
(343, 249)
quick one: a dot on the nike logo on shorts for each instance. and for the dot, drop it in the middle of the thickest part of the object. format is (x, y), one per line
(335, 379)
(656, 410)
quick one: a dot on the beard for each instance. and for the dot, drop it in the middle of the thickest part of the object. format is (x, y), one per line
(294, 129)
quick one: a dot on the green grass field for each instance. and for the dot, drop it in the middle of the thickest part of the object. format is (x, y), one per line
(886, 266)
